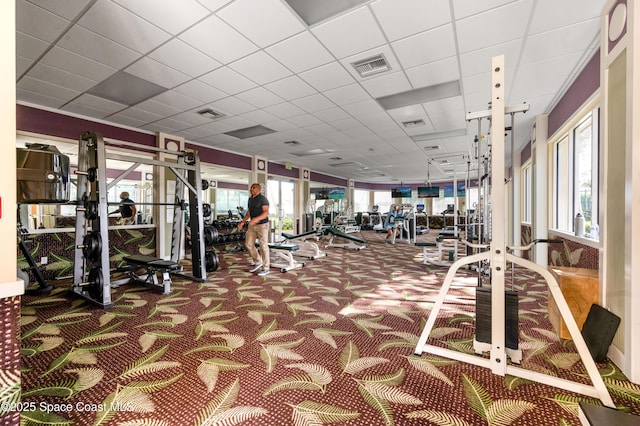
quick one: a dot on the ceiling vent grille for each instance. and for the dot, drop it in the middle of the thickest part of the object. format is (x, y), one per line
(413, 123)
(209, 113)
(432, 147)
(370, 66)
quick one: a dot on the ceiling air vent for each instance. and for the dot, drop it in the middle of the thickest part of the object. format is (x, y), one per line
(432, 147)
(209, 113)
(413, 123)
(371, 66)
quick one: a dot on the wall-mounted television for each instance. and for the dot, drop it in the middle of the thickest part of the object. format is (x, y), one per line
(428, 191)
(322, 194)
(448, 190)
(401, 192)
(336, 194)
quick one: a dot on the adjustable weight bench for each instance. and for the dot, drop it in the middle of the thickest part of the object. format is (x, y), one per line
(424, 245)
(437, 258)
(152, 268)
(307, 249)
(284, 252)
(361, 244)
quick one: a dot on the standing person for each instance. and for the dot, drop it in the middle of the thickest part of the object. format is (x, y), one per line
(257, 217)
(127, 209)
(389, 223)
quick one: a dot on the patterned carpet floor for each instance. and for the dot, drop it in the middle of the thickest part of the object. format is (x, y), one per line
(330, 343)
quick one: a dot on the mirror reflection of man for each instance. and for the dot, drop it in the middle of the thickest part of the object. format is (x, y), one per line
(127, 209)
(257, 219)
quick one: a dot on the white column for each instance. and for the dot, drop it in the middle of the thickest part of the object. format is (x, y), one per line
(541, 188)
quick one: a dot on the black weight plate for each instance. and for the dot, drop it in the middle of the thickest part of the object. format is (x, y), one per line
(211, 261)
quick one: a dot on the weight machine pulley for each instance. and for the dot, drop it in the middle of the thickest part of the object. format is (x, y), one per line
(498, 253)
(91, 278)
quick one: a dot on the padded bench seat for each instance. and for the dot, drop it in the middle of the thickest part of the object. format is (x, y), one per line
(153, 262)
(152, 266)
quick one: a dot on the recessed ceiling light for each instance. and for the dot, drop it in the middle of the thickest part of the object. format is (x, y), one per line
(126, 89)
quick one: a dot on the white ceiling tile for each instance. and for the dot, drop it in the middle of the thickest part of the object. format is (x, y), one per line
(184, 58)
(464, 8)
(155, 72)
(479, 61)
(544, 77)
(260, 97)
(158, 108)
(345, 123)
(434, 73)
(260, 68)
(259, 116)
(139, 115)
(60, 77)
(291, 88)
(387, 84)
(313, 103)
(22, 65)
(64, 8)
(426, 47)
(402, 18)
(192, 118)
(551, 14)
(171, 123)
(264, 22)
(91, 45)
(126, 121)
(118, 24)
(280, 125)
(300, 53)
(560, 42)
(198, 90)
(331, 114)
(284, 110)
(408, 113)
(77, 64)
(454, 104)
(218, 40)
(169, 15)
(320, 128)
(498, 25)
(443, 122)
(359, 109)
(214, 5)
(232, 106)
(350, 33)
(177, 100)
(38, 22)
(304, 120)
(94, 103)
(28, 46)
(327, 77)
(227, 80)
(47, 89)
(37, 98)
(347, 95)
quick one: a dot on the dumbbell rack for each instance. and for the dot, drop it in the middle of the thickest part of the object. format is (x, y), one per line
(91, 275)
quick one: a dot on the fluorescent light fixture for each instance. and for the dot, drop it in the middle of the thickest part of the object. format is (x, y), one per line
(126, 89)
(439, 135)
(250, 132)
(413, 123)
(313, 12)
(421, 95)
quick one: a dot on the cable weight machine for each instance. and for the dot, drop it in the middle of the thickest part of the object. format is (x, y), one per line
(91, 275)
(498, 253)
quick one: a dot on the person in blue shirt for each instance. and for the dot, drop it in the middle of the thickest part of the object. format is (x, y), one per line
(389, 223)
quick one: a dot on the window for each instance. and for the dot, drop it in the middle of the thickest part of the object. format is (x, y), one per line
(361, 200)
(575, 174)
(527, 194)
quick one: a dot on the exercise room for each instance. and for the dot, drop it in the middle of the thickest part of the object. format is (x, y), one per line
(278, 212)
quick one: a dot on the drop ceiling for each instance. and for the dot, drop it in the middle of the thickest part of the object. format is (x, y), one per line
(155, 64)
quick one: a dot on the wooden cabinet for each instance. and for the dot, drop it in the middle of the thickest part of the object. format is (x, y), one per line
(580, 288)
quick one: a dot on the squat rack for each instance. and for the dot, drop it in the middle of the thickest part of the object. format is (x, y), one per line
(497, 253)
(91, 275)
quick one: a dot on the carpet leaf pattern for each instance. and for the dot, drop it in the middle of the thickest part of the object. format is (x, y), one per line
(330, 343)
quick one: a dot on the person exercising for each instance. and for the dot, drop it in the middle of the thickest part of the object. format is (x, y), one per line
(127, 209)
(257, 218)
(389, 223)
